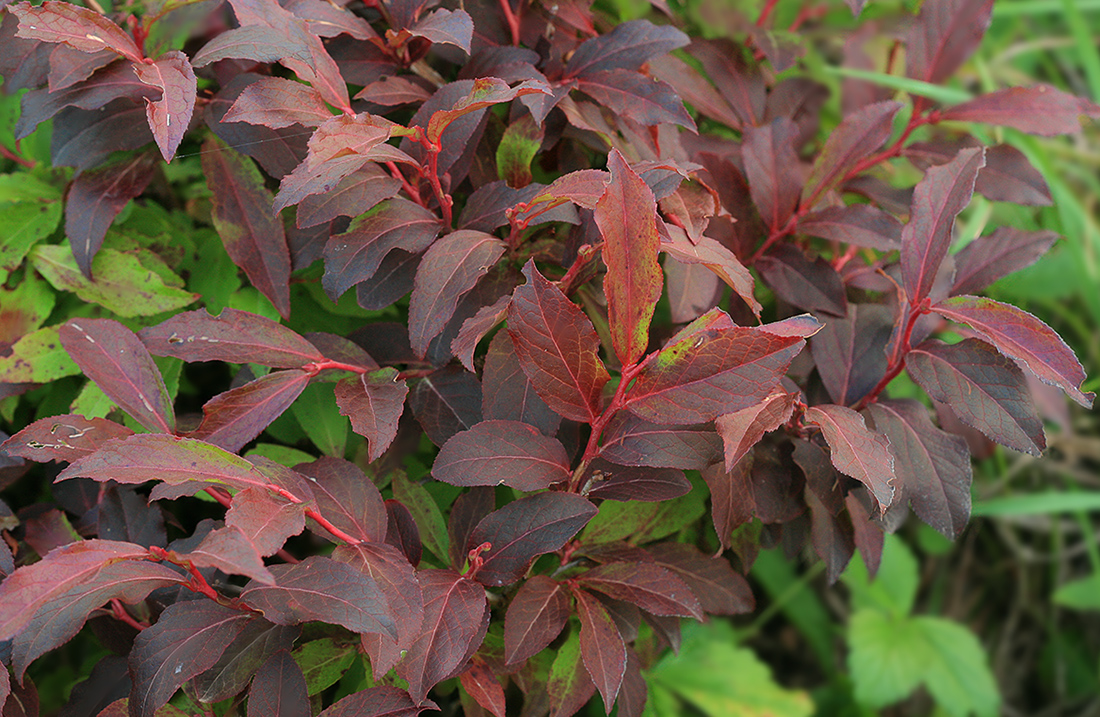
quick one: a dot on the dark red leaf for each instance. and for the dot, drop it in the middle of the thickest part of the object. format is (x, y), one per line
(856, 137)
(125, 514)
(602, 647)
(394, 91)
(481, 684)
(393, 279)
(720, 590)
(632, 441)
(773, 170)
(634, 693)
(187, 639)
(484, 92)
(737, 78)
(232, 419)
(810, 285)
(21, 700)
(613, 482)
(258, 641)
(449, 27)
(502, 453)
(229, 550)
(1008, 175)
(85, 138)
(637, 97)
(266, 520)
(94, 200)
(850, 352)
(77, 27)
(536, 615)
(466, 512)
(446, 402)
(937, 200)
(508, 393)
(942, 37)
(1024, 338)
(857, 451)
(279, 689)
(254, 239)
(63, 438)
(48, 530)
(693, 289)
(347, 498)
(253, 42)
(476, 327)
(278, 151)
(626, 215)
(741, 430)
(274, 102)
(112, 356)
(170, 115)
(933, 466)
(626, 47)
(869, 536)
(859, 224)
(327, 20)
(694, 89)
(375, 702)
(69, 66)
(1039, 109)
(557, 348)
(356, 254)
(354, 195)
(374, 402)
(717, 258)
(988, 258)
(456, 616)
(322, 589)
(525, 529)
(831, 538)
(649, 586)
(232, 336)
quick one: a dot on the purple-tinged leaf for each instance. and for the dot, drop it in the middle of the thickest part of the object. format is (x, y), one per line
(609, 481)
(858, 224)
(811, 285)
(536, 615)
(1022, 337)
(937, 200)
(831, 537)
(480, 683)
(1007, 176)
(448, 27)
(278, 151)
(279, 689)
(583, 187)
(525, 529)
(718, 259)
(508, 393)
(857, 451)
(502, 453)
(355, 255)
(466, 512)
(627, 47)
(69, 66)
(850, 352)
(1040, 109)
(637, 97)
(170, 115)
(322, 589)
(374, 403)
(944, 34)
(855, 138)
(394, 91)
(988, 258)
(274, 102)
(626, 215)
(355, 194)
(449, 269)
(229, 550)
(569, 684)
(258, 641)
(94, 200)
(233, 418)
(649, 586)
(254, 239)
(24, 64)
(266, 520)
(773, 170)
(557, 348)
(446, 402)
(483, 93)
(693, 289)
(694, 89)
(476, 327)
(632, 441)
(21, 700)
(232, 336)
(933, 466)
(741, 430)
(327, 20)
(737, 78)
(393, 279)
(602, 648)
(115, 82)
(112, 356)
(720, 590)
(375, 702)
(456, 616)
(63, 438)
(347, 498)
(85, 138)
(77, 27)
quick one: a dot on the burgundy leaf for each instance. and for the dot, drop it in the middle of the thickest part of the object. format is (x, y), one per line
(355, 194)
(466, 512)
(509, 395)
(536, 615)
(602, 647)
(112, 356)
(1040, 109)
(456, 616)
(832, 538)
(394, 91)
(810, 285)
(637, 97)
(738, 79)
(63, 438)
(484, 92)
(449, 269)
(77, 27)
(718, 259)
(693, 289)
(347, 498)
(557, 348)
(613, 482)
(68, 66)
(450, 27)
(937, 200)
(773, 170)
(1007, 176)
(626, 47)
(583, 187)
(94, 200)
(649, 586)
(278, 151)
(741, 430)
(855, 138)
(988, 258)
(279, 689)
(933, 466)
(393, 279)
(322, 589)
(525, 529)
(626, 215)
(21, 700)
(254, 239)
(720, 590)
(170, 115)
(374, 402)
(850, 352)
(85, 138)
(258, 641)
(356, 254)
(229, 550)
(327, 20)
(265, 520)
(233, 418)
(502, 453)
(232, 336)
(481, 684)
(857, 451)
(375, 702)
(694, 89)
(187, 639)
(942, 37)
(1024, 338)
(632, 441)
(274, 102)
(858, 224)
(253, 42)
(446, 402)
(476, 327)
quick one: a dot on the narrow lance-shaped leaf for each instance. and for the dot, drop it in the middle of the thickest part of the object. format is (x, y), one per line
(602, 647)
(626, 47)
(375, 702)
(233, 418)
(772, 168)
(170, 115)
(1039, 109)
(232, 336)
(636, 97)
(274, 102)
(632, 441)
(486, 91)
(857, 451)
(626, 215)
(482, 684)
(231, 551)
(77, 27)
(374, 403)
(855, 138)
(990, 257)
(279, 689)
(942, 37)
(502, 453)
(650, 587)
(535, 617)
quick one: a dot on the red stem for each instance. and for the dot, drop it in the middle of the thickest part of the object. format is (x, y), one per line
(315, 367)
(444, 199)
(412, 191)
(336, 532)
(120, 612)
(897, 356)
(8, 154)
(592, 450)
(765, 13)
(512, 19)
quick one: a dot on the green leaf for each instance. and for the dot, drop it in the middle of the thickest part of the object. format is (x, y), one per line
(324, 662)
(644, 522)
(283, 455)
(123, 283)
(958, 675)
(214, 275)
(1038, 504)
(251, 300)
(25, 224)
(425, 511)
(887, 657)
(518, 146)
(1083, 594)
(91, 402)
(25, 187)
(320, 418)
(38, 357)
(894, 587)
(26, 307)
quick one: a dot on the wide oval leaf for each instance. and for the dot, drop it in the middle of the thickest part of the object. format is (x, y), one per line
(535, 617)
(502, 453)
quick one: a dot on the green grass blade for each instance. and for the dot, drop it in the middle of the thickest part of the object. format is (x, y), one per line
(1038, 504)
(939, 93)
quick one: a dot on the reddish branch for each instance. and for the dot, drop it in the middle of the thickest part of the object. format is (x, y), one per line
(512, 20)
(22, 161)
(119, 611)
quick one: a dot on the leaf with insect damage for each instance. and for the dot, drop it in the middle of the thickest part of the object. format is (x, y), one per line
(63, 438)
(232, 336)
